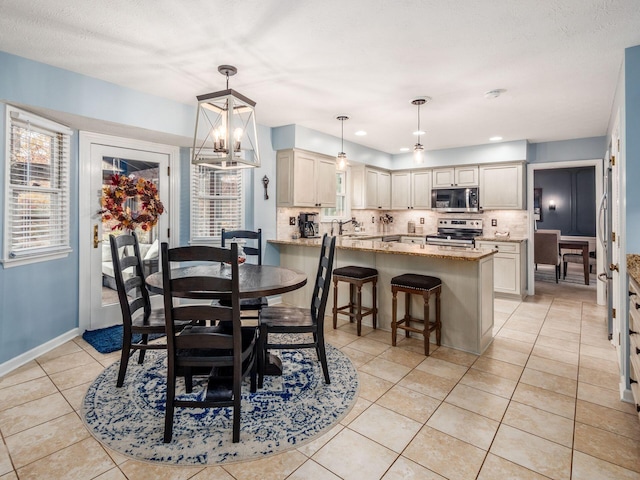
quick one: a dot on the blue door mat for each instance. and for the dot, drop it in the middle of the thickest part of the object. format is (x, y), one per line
(107, 340)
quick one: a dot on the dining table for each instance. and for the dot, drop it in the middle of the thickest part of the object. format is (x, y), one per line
(582, 245)
(253, 281)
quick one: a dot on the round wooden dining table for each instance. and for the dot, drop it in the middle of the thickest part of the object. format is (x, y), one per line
(254, 280)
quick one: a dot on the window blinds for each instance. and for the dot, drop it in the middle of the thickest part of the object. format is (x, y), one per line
(37, 203)
(216, 202)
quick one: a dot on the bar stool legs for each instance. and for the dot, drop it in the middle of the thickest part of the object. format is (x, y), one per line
(417, 285)
(356, 277)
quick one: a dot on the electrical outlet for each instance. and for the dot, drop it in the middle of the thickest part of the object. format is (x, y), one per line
(421, 220)
(373, 219)
(494, 222)
(292, 220)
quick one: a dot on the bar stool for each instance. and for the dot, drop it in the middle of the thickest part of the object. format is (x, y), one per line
(413, 284)
(356, 277)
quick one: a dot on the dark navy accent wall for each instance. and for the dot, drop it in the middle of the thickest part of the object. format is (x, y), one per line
(573, 190)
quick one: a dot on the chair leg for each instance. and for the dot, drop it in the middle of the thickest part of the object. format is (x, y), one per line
(335, 303)
(124, 359)
(359, 309)
(144, 341)
(236, 406)
(375, 304)
(407, 313)
(322, 355)
(168, 414)
(394, 317)
(438, 318)
(564, 264)
(557, 272)
(254, 370)
(426, 332)
(262, 354)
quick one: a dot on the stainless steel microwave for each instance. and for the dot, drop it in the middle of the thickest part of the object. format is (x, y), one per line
(455, 199)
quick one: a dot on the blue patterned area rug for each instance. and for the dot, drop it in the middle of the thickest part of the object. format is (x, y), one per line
(288, 412)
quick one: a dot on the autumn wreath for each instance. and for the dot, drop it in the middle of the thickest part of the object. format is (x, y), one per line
(119, 191)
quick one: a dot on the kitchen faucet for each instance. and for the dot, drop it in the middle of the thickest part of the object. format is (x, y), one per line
(341, 224)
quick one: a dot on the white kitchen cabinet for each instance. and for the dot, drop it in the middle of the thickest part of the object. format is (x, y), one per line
(305, 179)
(371, 188)
(413, 240)
(502, 187)
(509, 266)
(466, 176)
(411, 189)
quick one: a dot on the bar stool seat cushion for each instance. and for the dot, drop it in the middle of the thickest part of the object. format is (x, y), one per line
(355, 272)
(418, 282)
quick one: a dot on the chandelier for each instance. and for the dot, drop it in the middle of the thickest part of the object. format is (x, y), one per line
(418, 149)
(341, 159)
(225, 136)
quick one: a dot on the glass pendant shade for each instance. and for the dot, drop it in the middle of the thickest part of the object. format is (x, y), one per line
(226, 136)
(341, 158)
(418, 154)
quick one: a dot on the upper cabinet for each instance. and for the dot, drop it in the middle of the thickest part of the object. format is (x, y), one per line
(305, 179)
(411, 189)
(466, 176)
(371, 188)
(502, 187)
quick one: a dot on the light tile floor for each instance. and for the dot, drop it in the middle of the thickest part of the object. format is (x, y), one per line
(542, 402)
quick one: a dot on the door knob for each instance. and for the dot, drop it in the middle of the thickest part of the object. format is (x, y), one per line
(96, 241)
(614, 267)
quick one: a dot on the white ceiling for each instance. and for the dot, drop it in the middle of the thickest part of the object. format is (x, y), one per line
(305, 62)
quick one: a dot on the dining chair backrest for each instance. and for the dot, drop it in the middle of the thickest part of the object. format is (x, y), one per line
(191, 286)
(253, 249)
(546, 247)
(130, 283)
(323, 279)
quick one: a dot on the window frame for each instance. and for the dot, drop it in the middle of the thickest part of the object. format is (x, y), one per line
(325, 218)
(16, 116)
(214, 240)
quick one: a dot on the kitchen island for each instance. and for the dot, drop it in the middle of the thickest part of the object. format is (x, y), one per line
(466, 274)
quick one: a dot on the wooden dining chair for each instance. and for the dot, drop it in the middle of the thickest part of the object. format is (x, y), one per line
(138, 317)
(275, 320)
(254, 250)
(546, 249)
(225, 353)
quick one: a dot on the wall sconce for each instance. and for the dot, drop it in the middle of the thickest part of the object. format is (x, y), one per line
(552, 205)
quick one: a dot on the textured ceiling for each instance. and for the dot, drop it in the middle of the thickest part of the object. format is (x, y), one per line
(305, 62)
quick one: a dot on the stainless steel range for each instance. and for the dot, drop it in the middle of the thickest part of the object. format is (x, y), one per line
(456, 232)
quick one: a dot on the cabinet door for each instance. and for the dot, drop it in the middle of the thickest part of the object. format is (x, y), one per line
(358, 188)
(304, 188)
(325, 183)
(506, 273)
(371, 192)
(421, 190)
(400, 190)
(384, 190)
(443, 177)
(501, 187)
(466, 176)
(284, 178)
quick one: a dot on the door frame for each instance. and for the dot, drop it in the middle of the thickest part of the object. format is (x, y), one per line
(86, 139)
(531, 168)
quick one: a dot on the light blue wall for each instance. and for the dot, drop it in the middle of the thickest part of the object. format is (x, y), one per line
(632, 145)
(567, 150)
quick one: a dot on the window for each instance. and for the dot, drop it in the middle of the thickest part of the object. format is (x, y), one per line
(36, 213)
(341, 210)
(216, 202)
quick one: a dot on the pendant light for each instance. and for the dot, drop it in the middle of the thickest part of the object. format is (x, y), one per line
(226, 136)
(341, 159)
(418, 149)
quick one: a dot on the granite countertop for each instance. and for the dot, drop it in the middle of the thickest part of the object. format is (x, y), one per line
(633, 266)
(394, 248)
(501, 239)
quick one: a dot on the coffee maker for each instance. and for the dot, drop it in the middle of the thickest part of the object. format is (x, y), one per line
(308, 224)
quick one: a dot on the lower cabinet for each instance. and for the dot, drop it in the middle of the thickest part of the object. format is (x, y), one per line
(509, 266)
(634, 340)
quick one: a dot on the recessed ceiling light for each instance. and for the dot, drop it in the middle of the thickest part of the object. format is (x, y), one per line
(419, 132)
(495, 139)
(405, 149)
(361, 133)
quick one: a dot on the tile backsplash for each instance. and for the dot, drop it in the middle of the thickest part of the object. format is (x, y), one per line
(514, 221)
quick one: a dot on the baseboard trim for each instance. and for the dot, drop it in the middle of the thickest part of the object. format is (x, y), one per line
(34, 353)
